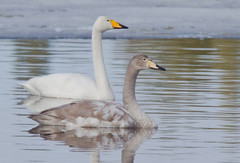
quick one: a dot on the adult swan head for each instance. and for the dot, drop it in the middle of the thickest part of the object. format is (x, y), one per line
(93, 113)
(78, 86)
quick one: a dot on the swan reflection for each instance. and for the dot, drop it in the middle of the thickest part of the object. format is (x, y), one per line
(95, 139)
(92, 139)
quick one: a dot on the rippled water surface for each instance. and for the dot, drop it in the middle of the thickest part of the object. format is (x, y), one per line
(195, 102)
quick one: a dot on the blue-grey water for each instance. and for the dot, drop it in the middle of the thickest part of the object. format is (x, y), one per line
(195, 102)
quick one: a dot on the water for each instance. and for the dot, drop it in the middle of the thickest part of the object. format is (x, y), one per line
(195, 102)
(145, 19)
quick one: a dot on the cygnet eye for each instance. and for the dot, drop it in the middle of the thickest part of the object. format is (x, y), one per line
(144, 59)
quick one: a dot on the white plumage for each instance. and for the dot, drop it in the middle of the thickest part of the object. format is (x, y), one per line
(79, 86)
(62, 85)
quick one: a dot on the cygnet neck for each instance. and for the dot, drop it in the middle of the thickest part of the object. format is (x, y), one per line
(129, 99)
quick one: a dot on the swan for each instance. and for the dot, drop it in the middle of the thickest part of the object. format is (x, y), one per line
(93, 113)
(78, 86)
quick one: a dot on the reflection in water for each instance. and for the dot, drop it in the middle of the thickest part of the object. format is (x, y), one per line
(94, 140)
(200, 90)
(195, 102)
(209, 66)
(88, 138)
(31, 58)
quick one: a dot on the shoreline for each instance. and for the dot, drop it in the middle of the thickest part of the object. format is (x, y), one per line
(152, 19)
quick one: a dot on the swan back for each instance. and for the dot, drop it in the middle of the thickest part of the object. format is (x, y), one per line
(87, 113)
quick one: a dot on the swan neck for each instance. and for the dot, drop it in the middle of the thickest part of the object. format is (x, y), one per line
(129, 99)
(130, 102)
(99, 67)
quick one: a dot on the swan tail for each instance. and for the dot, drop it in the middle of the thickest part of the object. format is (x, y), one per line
(48, 132)
(29, 88)
(45, 119)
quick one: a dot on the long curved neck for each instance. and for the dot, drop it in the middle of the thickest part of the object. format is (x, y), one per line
(129, 99)
(99, 68)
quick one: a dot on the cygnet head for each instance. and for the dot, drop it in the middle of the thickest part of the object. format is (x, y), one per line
(104, 23)
(142, 62)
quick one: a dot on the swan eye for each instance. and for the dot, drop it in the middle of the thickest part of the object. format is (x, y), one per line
(108, 20)
(144, 59)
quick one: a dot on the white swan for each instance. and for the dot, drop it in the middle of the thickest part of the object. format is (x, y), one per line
(92, 113)
(79, 86)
